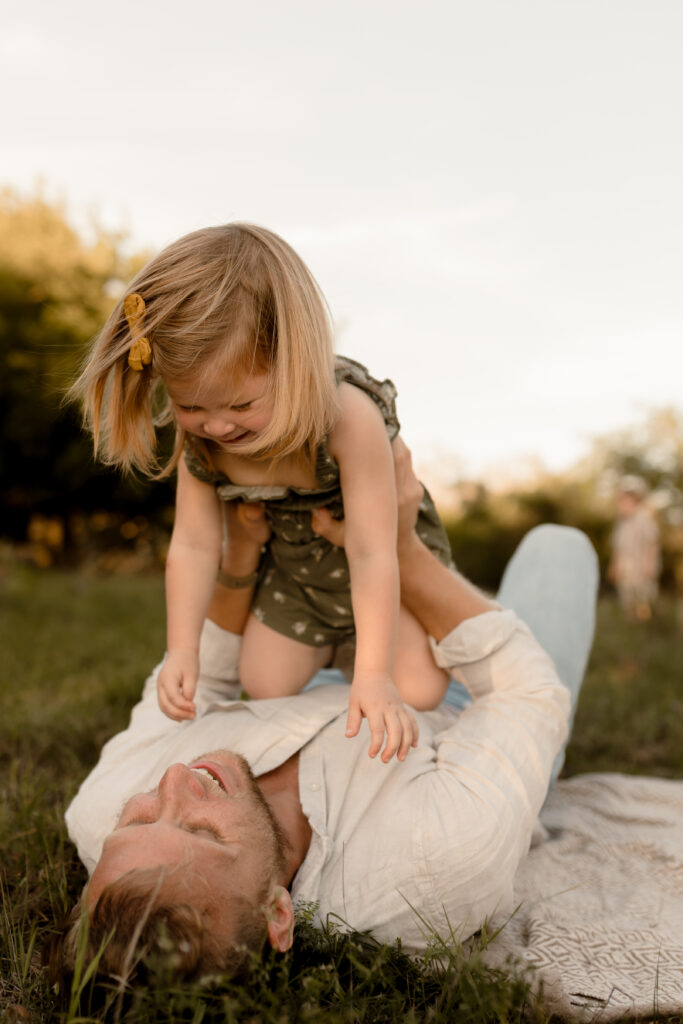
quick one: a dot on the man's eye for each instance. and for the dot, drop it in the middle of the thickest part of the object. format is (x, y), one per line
(205, 827)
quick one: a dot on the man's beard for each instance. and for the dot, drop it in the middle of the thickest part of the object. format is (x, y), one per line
(280, 841)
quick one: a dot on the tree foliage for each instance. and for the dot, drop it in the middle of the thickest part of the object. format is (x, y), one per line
(487, 526)
(56, 289)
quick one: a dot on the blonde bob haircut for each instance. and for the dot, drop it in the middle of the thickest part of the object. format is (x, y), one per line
(222, 300)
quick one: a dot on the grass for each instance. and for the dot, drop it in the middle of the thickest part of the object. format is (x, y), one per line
(74, 651)
(630, 714)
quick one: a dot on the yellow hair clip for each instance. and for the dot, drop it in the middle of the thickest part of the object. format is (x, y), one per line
(140, 353)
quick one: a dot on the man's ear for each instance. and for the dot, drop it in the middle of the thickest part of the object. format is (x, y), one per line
(280, 918)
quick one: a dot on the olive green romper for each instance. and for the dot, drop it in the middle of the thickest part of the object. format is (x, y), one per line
(304, 591)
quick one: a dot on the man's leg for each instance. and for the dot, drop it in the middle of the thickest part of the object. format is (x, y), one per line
(551, 582)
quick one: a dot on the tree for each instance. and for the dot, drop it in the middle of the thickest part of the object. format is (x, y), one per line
(56, 290)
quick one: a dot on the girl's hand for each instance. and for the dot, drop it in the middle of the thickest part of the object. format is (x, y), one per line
(177, 683)
(377, 699)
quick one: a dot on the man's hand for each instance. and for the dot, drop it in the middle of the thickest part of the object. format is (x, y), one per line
(177, 683)
(247, 530)
(409, 494)
(377, 699)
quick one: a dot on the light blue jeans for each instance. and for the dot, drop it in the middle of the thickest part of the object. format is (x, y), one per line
(551, 582)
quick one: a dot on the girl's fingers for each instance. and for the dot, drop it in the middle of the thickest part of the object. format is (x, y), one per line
(398, 724)
(188, 691)
(171, 711)
(394, 727)
(173, 703)
(353, 720)
(182, 705)
(376, 723)
(410, 734)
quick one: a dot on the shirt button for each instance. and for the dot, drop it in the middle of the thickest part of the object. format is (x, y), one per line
(314, 787)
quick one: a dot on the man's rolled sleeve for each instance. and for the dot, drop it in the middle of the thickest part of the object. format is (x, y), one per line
(493, 763)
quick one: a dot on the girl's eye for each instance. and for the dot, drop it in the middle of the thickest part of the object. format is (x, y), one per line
(241, 408)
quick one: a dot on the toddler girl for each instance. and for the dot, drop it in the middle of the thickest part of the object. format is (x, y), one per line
(227, 333)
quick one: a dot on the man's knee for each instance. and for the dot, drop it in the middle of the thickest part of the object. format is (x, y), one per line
(550, 540)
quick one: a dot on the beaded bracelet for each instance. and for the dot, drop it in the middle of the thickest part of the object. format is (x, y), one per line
(240, 582)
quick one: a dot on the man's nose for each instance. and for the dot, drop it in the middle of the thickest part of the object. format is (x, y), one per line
(178, 787)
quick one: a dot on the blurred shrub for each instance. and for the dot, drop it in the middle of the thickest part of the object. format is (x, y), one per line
(485, 527)
(481, 544)
(487, 530)
(56, 290)
(55, 293)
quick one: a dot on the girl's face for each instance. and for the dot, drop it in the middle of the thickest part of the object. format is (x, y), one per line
(226, 410)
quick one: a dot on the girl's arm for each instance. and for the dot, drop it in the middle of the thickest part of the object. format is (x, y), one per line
(193, 558)
(360, 444)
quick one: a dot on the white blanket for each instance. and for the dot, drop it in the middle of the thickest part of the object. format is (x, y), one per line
(600, 899)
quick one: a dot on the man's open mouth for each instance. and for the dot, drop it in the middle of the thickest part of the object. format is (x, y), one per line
(223, 776)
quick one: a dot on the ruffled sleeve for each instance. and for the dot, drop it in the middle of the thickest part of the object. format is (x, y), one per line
(197, 461)
(382, 392)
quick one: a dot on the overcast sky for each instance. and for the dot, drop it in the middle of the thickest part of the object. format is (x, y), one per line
(488, 191)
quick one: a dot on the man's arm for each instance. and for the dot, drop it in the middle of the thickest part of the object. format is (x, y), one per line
(437, 596)
(247, 531)
(471, 812)
(494, 761)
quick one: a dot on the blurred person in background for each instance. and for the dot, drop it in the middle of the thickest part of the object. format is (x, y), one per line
(635, 564)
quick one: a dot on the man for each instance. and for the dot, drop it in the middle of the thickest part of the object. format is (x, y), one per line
(219, 847)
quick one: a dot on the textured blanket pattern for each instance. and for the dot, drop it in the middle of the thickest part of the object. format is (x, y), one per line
(600, 899)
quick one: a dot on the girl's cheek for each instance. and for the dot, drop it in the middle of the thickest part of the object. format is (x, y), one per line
(186, 421)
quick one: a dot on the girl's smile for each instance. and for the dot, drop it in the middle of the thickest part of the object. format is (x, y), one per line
(225, 412)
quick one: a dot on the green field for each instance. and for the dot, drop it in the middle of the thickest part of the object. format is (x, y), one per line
(75, 649)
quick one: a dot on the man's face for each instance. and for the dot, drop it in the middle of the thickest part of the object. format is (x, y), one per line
(209, 827)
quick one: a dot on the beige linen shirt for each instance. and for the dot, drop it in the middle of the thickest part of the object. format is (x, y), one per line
(399, 848)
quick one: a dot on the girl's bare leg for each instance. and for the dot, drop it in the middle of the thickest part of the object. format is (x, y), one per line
(273, 665)
(418, 679)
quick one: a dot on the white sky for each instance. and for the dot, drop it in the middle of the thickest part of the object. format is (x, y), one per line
(488, 191)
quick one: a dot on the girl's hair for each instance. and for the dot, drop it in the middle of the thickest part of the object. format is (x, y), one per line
(223, 299)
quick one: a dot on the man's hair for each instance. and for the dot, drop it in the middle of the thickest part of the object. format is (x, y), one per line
(132, 925)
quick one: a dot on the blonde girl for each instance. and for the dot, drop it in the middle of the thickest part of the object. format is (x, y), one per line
(227, 334)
